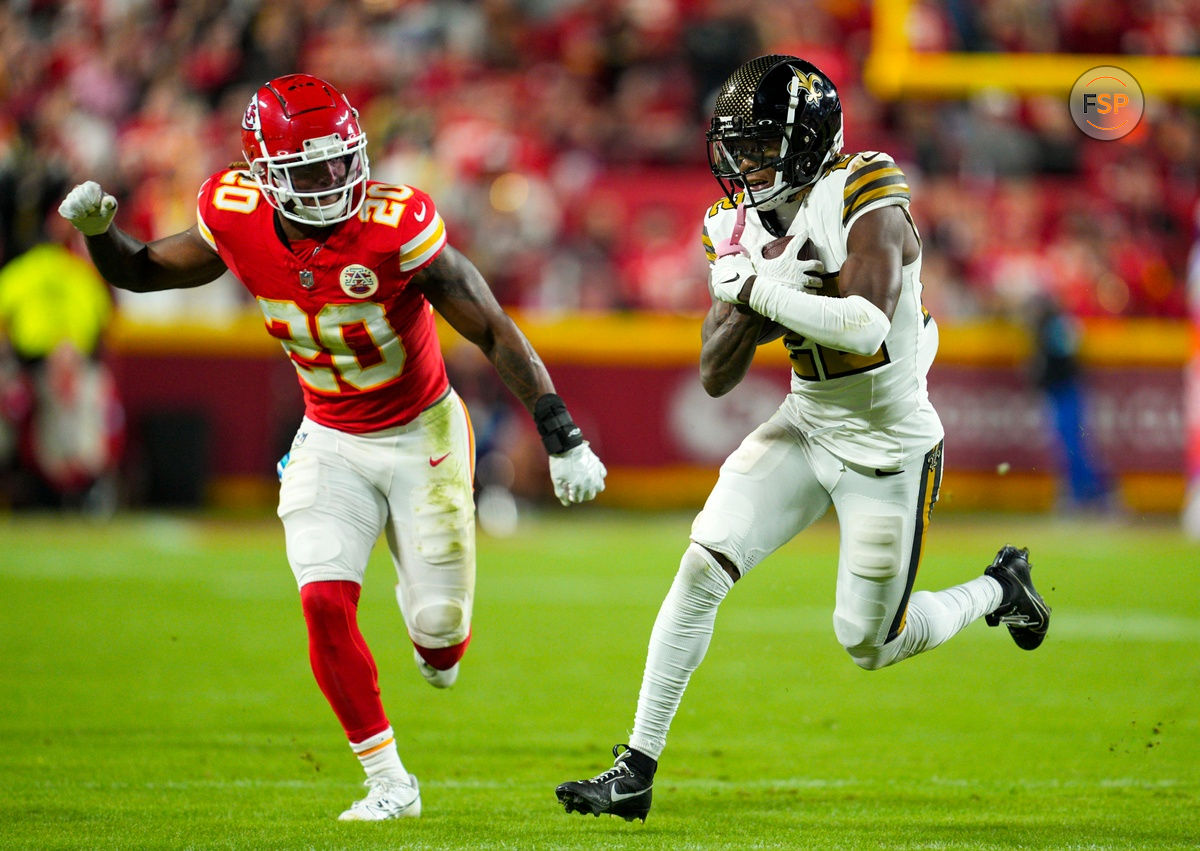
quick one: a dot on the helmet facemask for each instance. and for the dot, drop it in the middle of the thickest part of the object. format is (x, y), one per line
(306, 149)
(737, 155)
(321, 185)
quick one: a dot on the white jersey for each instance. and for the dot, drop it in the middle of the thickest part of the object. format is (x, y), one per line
(872, 410)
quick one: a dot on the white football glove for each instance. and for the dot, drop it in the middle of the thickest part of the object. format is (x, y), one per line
(577, 474)
(89, 208)
(727, 276)
(790, 270)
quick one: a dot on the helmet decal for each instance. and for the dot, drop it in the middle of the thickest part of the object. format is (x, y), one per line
(250, 120)
(808, 82)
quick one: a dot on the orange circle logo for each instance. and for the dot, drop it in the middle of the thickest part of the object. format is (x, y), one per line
(1107, 102)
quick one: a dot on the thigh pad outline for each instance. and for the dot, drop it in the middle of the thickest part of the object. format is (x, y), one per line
(876, 546)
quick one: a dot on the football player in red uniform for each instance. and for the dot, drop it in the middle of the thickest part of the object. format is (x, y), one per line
(347, 272)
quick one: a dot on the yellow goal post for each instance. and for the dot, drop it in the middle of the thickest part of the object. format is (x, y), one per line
(895, 70)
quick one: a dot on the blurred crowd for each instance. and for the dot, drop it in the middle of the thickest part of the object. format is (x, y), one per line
(563, 139)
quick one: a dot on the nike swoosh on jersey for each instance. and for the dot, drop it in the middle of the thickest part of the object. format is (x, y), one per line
(879, 472)
(616, 796)
(433, 462)
(420, 217)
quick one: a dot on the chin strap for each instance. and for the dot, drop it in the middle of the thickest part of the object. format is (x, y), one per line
(733, 245)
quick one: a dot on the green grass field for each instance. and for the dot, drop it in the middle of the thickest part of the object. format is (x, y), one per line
(155, 693)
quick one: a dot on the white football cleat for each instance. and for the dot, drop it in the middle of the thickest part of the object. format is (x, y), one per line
(436, 678)
(388, 798)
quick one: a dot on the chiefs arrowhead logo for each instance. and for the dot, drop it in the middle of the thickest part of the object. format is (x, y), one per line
(250, 121)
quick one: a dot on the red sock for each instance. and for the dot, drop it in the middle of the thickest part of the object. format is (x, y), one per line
(443, 658)
(341, 660)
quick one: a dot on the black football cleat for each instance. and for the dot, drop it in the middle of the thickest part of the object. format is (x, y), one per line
(1022, 610)
(620, 791)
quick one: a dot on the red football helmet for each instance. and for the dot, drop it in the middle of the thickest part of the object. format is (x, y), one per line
(306, 150)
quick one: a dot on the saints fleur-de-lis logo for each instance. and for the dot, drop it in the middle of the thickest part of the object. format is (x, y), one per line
(807, 82)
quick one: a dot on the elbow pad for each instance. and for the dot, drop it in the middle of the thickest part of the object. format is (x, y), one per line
(850, 324)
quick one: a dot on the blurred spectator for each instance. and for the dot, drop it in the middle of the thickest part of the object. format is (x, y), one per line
(1055, 371)
(523, 115)
(57, 399)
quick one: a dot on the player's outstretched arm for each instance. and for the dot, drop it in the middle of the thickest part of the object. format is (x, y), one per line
(459, 293)
(174, 262)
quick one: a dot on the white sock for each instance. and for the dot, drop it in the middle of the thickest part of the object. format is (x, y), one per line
(379, 756)
(678, 643)
(936, 616)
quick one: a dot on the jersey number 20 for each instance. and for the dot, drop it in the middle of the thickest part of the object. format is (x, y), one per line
(364, 350)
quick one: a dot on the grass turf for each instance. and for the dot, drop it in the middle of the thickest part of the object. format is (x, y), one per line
(155, 693)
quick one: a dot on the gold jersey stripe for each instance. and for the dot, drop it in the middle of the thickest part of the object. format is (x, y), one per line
(867, 172)
(204, 231)
(432, 243)
(709, 250)
(894, 186)
(421, 239)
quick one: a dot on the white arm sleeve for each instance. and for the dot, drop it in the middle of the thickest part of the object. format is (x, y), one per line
(850, 324)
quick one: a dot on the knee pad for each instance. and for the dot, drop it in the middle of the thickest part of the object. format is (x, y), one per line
(872, 657)
(852, 633)
(700, 569)
(721, 523)
(438, 624)
(438, 620)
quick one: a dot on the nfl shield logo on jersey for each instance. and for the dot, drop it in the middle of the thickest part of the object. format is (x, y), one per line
(359, 281)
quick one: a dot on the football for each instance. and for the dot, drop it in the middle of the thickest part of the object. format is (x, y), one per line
(775, 247)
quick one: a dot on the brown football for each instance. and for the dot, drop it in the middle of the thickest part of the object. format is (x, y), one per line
(775, 247)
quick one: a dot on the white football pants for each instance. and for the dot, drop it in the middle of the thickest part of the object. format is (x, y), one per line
(339, 491)
(775, 485)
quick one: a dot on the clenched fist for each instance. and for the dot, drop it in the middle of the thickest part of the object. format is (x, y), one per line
(577, 474)
(88, 208)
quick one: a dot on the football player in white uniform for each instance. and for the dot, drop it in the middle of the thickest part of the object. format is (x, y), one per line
(818, 247)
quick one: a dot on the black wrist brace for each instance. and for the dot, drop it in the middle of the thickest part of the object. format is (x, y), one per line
(558, 431)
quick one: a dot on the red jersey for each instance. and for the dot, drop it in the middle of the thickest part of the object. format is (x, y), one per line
(361, 337)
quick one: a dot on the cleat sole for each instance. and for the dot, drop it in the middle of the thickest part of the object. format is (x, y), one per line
(1027, 632)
